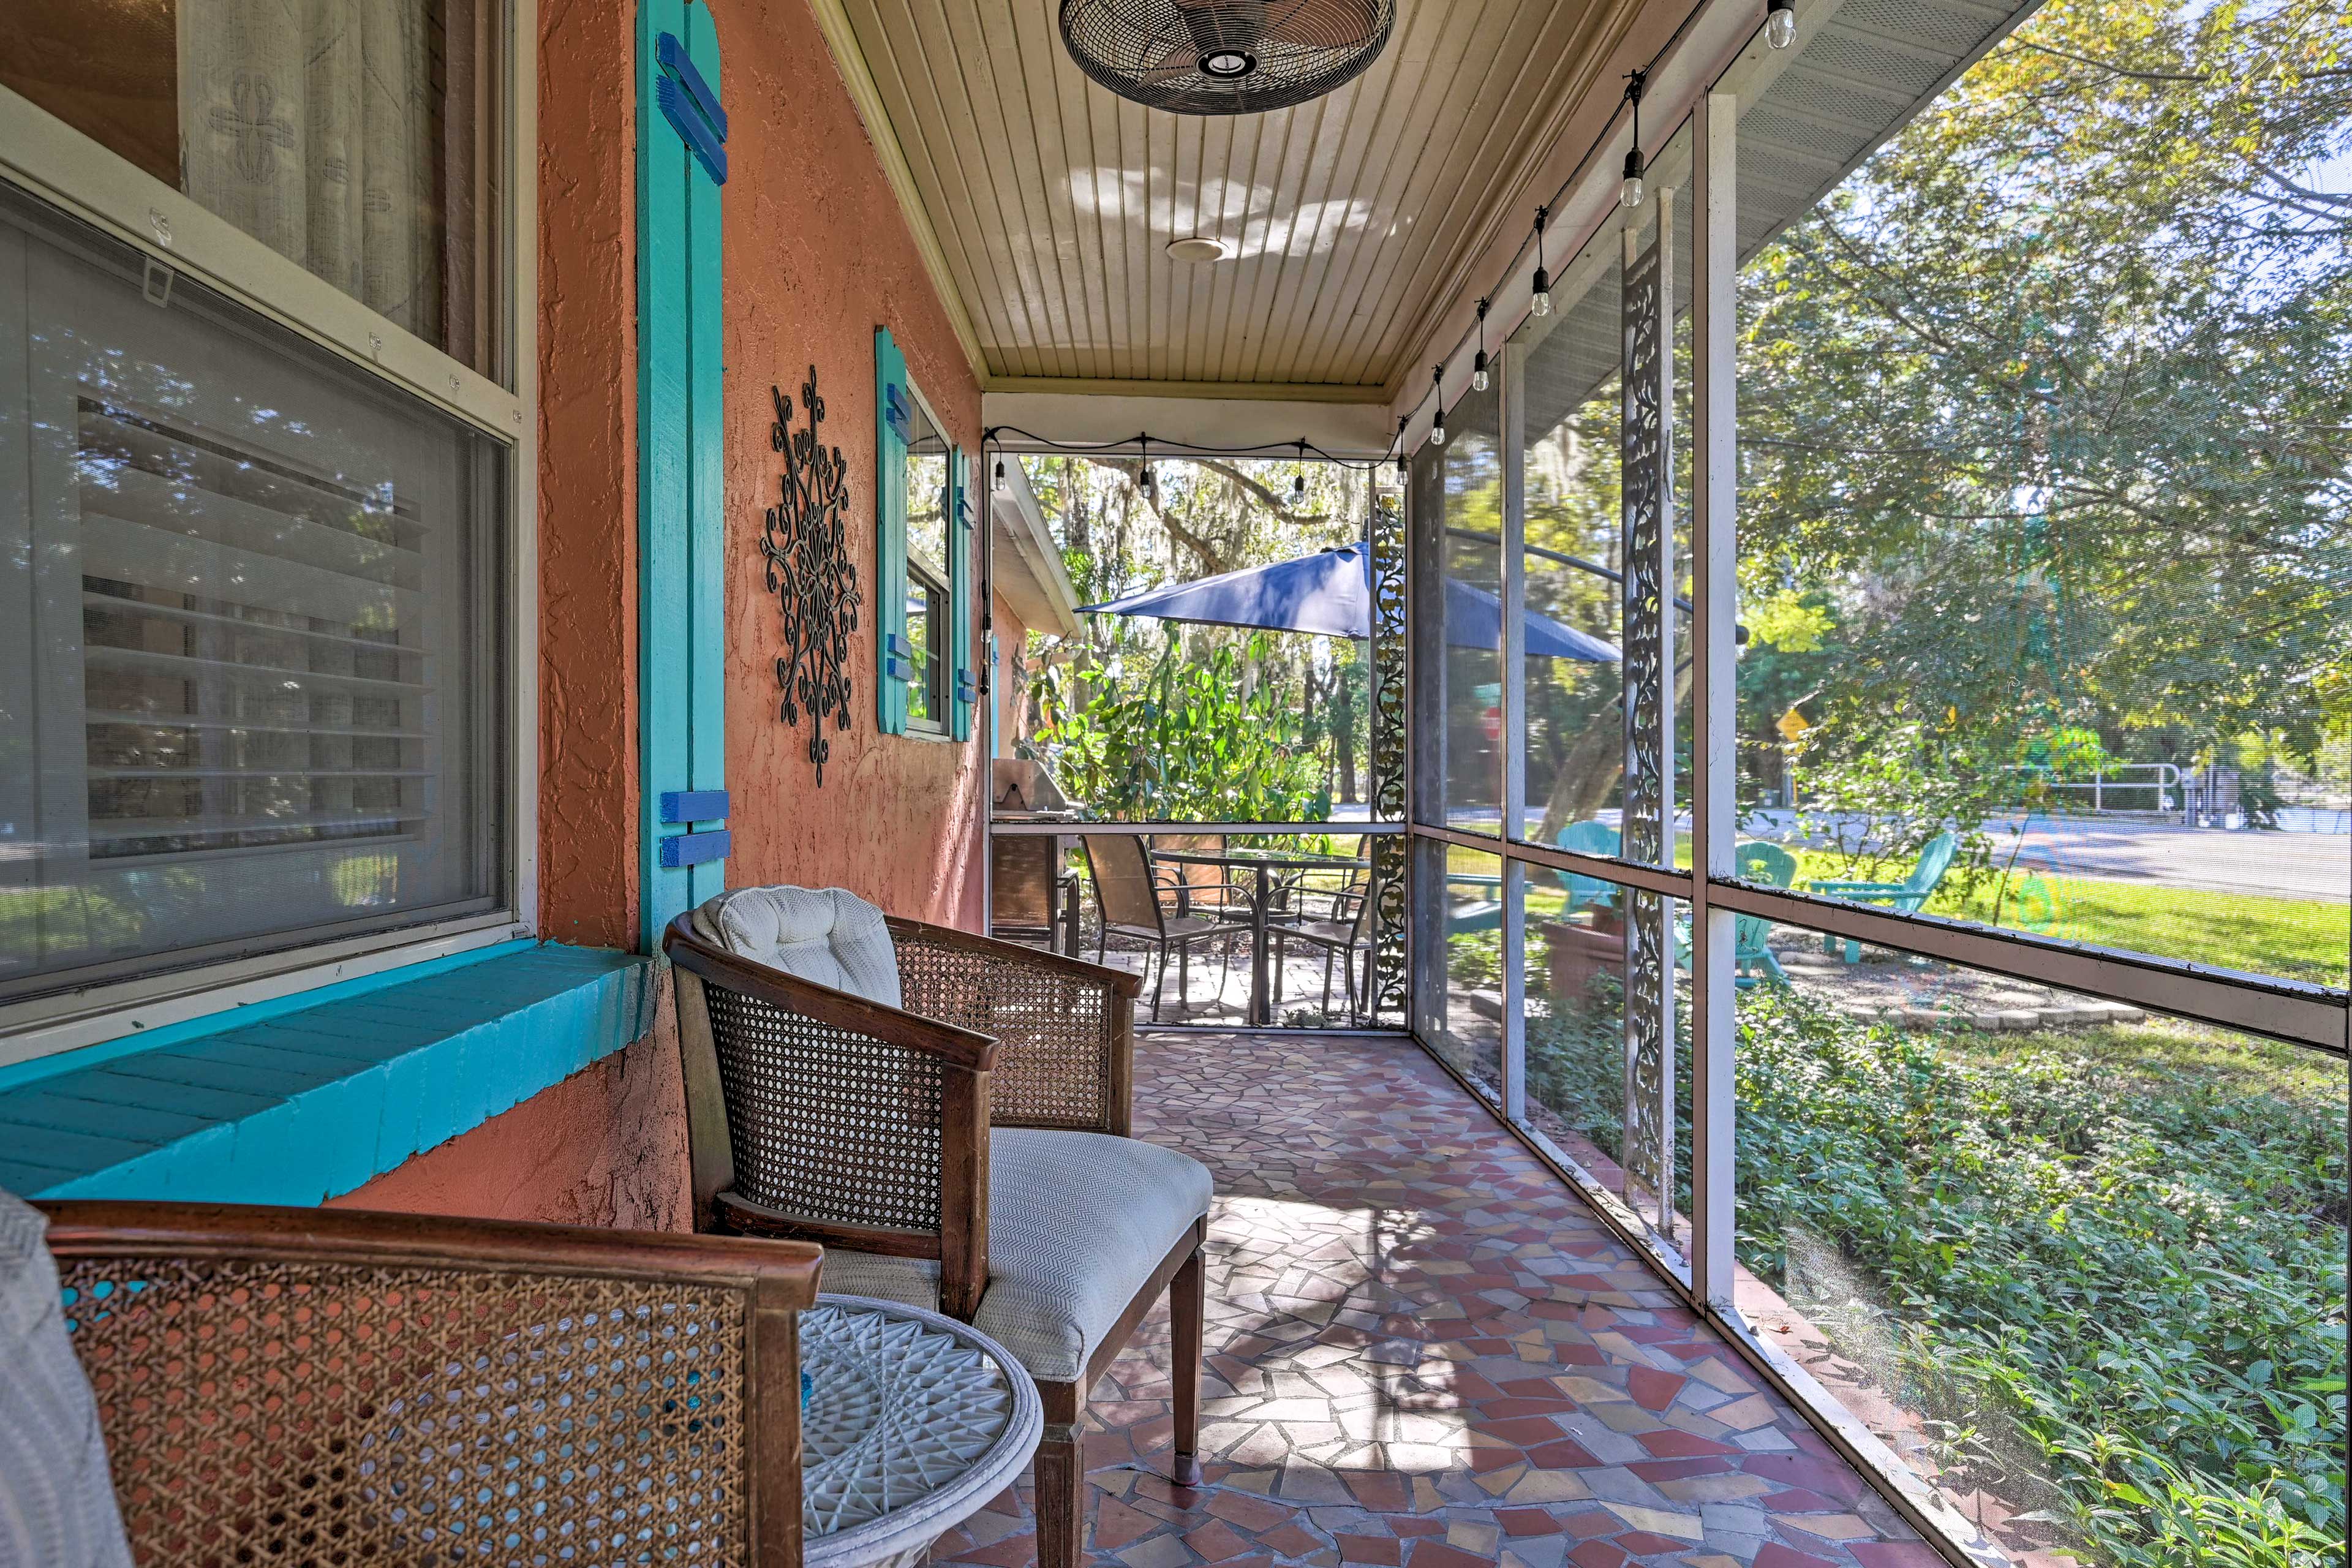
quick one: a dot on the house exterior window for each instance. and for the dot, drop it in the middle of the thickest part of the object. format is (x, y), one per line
(257, 536)
(924, 551)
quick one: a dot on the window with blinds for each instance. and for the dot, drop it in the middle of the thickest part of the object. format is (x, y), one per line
(258, 682)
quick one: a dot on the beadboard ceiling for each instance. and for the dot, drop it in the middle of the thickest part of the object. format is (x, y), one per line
(1049, 201)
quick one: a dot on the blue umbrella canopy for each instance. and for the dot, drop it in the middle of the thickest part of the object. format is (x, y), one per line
(1330, 592)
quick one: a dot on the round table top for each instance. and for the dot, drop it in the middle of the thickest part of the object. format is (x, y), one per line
(912, 1422)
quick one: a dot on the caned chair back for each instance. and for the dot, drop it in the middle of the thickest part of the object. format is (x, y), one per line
(1125, 889)
(277, 1386)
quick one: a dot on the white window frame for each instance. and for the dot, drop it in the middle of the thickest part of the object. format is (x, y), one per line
(42, 155)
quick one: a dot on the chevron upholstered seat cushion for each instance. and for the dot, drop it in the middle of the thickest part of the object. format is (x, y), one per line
(1076, 1221)
(56, 1500)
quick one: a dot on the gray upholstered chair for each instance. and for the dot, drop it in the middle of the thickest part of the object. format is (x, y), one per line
(949, 1115)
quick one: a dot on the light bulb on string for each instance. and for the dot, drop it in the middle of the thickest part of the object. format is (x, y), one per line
(1298, 480)
(1478, 378)
(997, 484)
(1143, 475)
(1631, 194)
(1540, 305)
(1780, 23)
(1437, 424)
(1401, 468)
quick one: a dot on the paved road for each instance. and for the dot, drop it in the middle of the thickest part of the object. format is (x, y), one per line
(2308, 866)
(2314, 866)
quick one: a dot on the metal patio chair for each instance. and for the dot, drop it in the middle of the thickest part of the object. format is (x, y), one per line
(1345, 932)
(1131, 900)
(300, 1386)
(949, 1116)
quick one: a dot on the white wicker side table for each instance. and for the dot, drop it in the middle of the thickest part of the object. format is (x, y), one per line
(913, 1421)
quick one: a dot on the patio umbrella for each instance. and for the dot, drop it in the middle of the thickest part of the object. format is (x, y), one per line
(1330, 592)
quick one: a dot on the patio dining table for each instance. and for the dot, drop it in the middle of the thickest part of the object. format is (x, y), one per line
(1262, 864)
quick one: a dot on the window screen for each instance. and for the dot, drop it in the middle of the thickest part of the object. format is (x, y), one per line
(251, 682)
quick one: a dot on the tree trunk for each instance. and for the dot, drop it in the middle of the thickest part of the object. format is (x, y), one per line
(1343, 731)
(1595, 760)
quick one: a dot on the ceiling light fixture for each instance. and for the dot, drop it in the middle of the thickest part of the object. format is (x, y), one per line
(1225, 57)
(1199, 247)
(1630, 195)
(1542, 304)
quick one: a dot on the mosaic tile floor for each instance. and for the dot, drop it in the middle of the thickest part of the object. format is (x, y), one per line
(1424, 1352)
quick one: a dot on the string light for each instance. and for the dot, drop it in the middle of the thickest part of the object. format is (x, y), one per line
(998, 483)
(1478, 366)
(1298, 480)
(1631, 194)
(1144, 478)
(1542, 304)
(1780, 23)
(1401, 469)
(1437, 424)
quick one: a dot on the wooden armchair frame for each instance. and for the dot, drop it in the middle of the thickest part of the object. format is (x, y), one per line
(265, 1375)
(885, 1146)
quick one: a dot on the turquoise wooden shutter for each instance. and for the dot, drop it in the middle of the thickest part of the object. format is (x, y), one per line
(894, 408)
(963, 558)
(681, 647)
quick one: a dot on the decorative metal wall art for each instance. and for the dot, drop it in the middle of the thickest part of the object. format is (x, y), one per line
(810, 573)
(1392, 907)
(1645, 439)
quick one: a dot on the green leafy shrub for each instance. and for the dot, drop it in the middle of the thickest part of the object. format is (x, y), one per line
(1194, 741)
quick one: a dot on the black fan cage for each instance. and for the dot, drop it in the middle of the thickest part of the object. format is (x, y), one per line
(1225, 57)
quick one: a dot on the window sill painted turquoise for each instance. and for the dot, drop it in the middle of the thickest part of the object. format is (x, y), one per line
(311, 1102)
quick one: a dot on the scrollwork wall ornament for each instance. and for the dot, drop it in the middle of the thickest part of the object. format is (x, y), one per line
(811, 574)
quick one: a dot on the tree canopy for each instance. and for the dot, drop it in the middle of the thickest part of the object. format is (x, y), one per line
(2044, 412)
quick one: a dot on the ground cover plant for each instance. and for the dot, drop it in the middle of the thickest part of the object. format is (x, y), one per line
(2110, 1265)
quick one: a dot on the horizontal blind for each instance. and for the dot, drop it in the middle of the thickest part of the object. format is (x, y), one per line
(256, 667)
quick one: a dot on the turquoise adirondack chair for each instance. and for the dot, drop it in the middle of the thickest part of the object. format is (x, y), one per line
(1773, 866)
(1589, 837)
(1487, 913)
(1908, 895)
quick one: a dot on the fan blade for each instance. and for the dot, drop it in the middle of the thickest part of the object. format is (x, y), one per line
(1322, 24)
(1224, 24)
(1174, 66)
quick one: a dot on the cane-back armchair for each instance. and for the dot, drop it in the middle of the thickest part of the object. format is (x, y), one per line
(949, 1115)
(283, 1386)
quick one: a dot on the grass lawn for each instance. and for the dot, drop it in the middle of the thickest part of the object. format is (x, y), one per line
(2290, 938)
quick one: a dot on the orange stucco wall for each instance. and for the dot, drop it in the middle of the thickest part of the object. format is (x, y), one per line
(816, 257)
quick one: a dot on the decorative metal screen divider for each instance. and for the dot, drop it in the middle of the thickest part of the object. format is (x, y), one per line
(1390, 854)
(1646, 438)
(810, 573)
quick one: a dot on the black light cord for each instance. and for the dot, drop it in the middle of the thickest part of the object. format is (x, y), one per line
(1144, 440)
(1630, 101)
